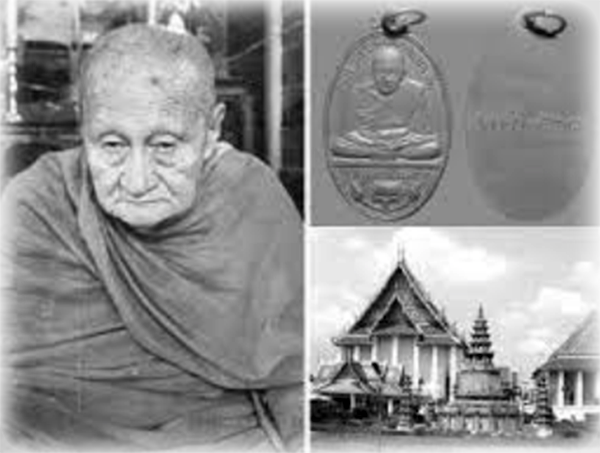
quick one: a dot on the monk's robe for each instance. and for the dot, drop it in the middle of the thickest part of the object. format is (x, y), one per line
(189, 334)
(384, 124)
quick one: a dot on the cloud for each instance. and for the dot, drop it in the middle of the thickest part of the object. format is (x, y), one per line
(331, 319)
(541, 333)
(514, 319)
(355, 244)
(537, 341)
(557, 301)
(584, 275)
(535, 328)
(540, 341)
(433, 251)
(534, 346)
(333, 310)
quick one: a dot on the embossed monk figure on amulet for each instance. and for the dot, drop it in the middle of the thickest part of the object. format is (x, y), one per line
(153, 276)
(386, 108)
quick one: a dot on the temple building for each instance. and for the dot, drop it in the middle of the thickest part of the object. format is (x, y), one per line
(400, 334)
(573, 373)
(483, 403)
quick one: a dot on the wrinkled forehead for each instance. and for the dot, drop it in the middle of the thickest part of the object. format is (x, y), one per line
(177, 79)
(145, 88)
(141, 102)
(112, 74)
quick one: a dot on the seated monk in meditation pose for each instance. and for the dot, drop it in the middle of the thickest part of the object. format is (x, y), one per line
(153, 277)
(384, 108)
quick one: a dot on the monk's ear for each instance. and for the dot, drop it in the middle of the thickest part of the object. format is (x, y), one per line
(216, 120)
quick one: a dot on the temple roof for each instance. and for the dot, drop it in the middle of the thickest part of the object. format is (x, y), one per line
(402, 307)
(360, 378)
(346, 388)
(580, 351)
(352, 339)
(349, 378)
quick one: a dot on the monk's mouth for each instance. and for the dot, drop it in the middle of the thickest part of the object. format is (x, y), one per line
(143, 202)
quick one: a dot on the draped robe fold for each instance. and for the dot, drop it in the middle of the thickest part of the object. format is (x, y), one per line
(157, 338)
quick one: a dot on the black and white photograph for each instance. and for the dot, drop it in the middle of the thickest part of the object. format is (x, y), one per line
(152, 232)
(436, 338)
(299, 226)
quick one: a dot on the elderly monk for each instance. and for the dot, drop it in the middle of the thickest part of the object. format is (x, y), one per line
(385, 107)
(155, 280)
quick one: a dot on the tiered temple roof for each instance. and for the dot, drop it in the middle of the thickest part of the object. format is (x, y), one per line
(359, 379)
(401, 307)
(350, 378)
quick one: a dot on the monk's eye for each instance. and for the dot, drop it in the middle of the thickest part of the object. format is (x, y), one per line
(164, 150)
(114, 149)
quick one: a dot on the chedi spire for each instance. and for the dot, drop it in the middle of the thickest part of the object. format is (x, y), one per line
(480, 354)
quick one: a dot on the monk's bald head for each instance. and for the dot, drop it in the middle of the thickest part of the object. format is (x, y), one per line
(151, 58)
(388, 54)
(388, 68)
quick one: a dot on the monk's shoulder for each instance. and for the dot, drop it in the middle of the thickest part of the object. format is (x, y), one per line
(44, 180)
(255, 181)
(246, 169)
(414, 86)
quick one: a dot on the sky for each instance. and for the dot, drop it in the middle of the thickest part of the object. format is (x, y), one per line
(536, 285)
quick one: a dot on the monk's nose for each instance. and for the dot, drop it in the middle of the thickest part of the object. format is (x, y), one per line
(138, 178)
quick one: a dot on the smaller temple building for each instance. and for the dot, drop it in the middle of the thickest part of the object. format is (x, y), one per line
(573, 373)
(356, 385)
(483, 403)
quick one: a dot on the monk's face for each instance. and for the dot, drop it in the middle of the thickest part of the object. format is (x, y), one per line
(388, 69)
(145, 142)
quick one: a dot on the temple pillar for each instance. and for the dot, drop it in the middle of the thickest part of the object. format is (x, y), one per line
(416, 373)
(390, 406)
(434, 371)
(395, 347)
(352, 401)
(579, 389)
(560, 389)
(453, 371)
(374, 350)
(356, 353)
